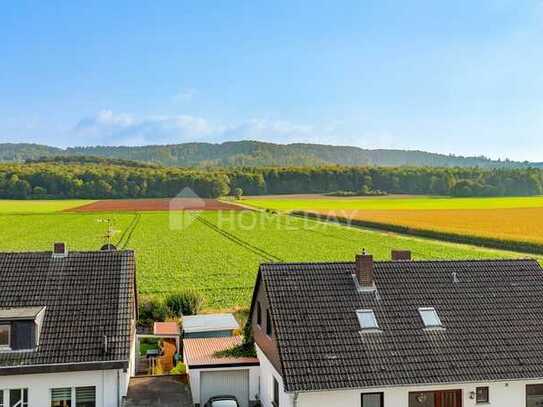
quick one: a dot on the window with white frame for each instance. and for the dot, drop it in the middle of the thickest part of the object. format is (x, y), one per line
(5, 336)
(275, 393)
(76, 397)
(18, 398)
(429, 317)
(61, 397)
(372, 399)
(481, 395)
(85, 396)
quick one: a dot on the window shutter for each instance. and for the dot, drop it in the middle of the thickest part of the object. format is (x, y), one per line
(85, 394)
(61, 394)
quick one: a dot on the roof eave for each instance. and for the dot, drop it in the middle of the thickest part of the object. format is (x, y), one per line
(64, 367)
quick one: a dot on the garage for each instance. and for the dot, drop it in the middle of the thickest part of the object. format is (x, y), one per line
(231, 382)
(211, 375)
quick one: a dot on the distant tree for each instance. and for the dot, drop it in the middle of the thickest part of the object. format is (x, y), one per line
(237, 192)
(39, 191)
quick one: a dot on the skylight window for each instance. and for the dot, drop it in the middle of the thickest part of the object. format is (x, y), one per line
(430, 318)
(367, 320)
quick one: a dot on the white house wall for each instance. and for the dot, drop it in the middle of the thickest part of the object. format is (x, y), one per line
(501, 394)
(267, 373)
(194, 377)
(39, 385)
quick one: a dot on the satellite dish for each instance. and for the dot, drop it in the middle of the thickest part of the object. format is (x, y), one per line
(108, 247)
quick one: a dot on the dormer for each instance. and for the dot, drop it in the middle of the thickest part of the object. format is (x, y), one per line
(20, 328)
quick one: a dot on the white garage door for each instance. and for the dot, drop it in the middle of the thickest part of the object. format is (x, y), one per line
(227, 382)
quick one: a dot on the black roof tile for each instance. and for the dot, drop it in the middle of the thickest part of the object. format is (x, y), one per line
(492, 318)
(88, 296)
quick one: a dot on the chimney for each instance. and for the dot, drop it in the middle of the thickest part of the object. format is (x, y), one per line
(59, 249)
(401, 255)
(364, 270)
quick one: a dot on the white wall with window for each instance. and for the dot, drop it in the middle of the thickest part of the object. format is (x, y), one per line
(272, 392)
(497, 394)
(97, 388)
(525, 393)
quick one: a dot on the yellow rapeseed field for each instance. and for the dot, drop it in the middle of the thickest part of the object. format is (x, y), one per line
(519, 224)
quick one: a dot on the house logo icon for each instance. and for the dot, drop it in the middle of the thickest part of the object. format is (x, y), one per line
(184, 209)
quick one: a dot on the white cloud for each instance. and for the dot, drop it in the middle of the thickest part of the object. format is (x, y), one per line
(109, 128)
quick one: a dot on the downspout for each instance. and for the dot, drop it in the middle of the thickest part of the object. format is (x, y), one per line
(295, 399)
(118, 388)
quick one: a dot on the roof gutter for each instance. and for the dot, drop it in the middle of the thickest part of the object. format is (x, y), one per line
(296, 393)
(295, 399)
(64, 367)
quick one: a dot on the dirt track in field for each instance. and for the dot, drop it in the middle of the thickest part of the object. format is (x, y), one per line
(144, 205)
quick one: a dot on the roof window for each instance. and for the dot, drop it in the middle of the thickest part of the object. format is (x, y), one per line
(430, 318)
(367, 320)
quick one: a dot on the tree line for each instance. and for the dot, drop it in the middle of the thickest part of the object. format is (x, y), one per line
(460, 182)
(101, 180)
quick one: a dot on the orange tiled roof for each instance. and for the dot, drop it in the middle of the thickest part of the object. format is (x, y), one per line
(166, 328)
(201, 352)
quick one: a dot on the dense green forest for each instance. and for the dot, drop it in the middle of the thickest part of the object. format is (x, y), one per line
(257, 154)
(103, 178)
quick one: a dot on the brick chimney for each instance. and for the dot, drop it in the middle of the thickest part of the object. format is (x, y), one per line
(364, 269)
(59, 249)
(401, 255)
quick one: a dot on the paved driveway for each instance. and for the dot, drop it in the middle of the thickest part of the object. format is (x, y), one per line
(158, 391)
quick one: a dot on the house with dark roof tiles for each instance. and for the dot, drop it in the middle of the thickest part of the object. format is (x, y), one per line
(400, 333)
(67, 327)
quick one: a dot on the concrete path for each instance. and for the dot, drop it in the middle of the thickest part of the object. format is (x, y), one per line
(158, 391)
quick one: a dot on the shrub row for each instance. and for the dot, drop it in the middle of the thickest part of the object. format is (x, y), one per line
(174, 305)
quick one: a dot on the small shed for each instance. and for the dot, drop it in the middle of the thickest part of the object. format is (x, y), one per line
(209, 326)
(211, 375)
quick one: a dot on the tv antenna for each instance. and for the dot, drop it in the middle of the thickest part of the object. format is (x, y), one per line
(108, 236)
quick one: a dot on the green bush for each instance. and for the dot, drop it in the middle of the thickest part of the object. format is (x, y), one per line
(237, 192)
(180, 368)
(147, 344)
(152, 309)
(186, 302)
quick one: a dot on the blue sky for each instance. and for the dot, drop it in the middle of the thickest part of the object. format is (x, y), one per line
(462, 77)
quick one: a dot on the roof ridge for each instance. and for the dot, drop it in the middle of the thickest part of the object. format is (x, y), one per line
(49, 252)
(342, 262)
(460, 260)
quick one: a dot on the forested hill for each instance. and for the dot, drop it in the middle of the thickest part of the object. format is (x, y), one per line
(257, 154)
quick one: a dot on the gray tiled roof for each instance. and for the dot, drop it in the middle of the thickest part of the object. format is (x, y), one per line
(88, 296)
(493, 319)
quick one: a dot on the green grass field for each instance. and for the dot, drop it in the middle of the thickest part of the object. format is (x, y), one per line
(29, 206)
(390, 203)
(217, 253)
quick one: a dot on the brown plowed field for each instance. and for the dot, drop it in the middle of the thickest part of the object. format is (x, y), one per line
(143, 205)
